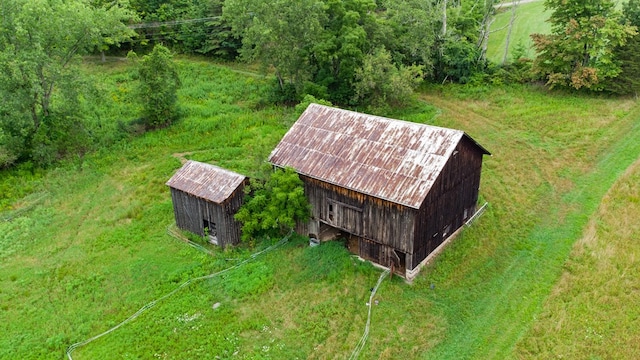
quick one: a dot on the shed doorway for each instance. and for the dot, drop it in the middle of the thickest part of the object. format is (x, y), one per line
(210, 230)
(399, 262)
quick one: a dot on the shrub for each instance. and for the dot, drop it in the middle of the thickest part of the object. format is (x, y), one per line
(380, 81)
(158, 88)
(273, 206)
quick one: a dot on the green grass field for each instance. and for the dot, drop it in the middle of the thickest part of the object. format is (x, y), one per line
(592, 310)
(88, 246)
(530, 19)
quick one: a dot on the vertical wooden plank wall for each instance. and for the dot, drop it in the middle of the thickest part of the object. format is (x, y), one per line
(451, 201)
(190, 213)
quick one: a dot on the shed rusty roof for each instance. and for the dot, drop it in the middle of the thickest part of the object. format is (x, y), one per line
(394, 160)
(206, 181)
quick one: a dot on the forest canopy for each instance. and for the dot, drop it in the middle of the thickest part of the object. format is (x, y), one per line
(352, 53)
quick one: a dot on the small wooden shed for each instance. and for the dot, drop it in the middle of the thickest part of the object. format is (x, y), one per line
(395, 189)
(205, 199)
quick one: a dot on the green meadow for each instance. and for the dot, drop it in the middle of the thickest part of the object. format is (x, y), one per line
(530, 18)
(550, 269)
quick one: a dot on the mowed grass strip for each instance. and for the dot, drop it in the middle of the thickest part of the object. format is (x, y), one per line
(593, 311)
(530, 19)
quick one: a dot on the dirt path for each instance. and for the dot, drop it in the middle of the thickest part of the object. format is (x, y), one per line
(183, 155)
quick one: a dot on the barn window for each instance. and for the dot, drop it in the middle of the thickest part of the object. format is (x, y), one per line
(331, 214)
(446, 231)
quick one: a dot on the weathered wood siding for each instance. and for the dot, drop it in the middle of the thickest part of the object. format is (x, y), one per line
(361, 215)
(191, 212)
(382, 254)
(451, 201)
(389, 231)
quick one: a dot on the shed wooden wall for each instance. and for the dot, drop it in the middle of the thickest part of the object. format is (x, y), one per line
(451, 201)
(190, 213)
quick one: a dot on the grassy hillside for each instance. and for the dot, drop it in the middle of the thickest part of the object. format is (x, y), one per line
(593, 310)
(554, 157)
(89, 247)
(530, 19)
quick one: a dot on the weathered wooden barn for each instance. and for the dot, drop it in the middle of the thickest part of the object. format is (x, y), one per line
(395, 189)
(205, 200)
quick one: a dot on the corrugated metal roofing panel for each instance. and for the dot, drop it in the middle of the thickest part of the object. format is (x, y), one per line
(206, 181)
(390, 159)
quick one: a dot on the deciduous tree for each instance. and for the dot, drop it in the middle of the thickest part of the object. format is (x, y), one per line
(379, 81)
(414, 26)
(273, 207)
(278, 34)
(318, 46)
(41, 42)
(579, 52)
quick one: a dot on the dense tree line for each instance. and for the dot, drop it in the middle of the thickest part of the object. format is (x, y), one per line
(44, 98)
(48, 107)
(627, 55)
(581, 50)
(327, 48)
(348, 52)
(186, 26)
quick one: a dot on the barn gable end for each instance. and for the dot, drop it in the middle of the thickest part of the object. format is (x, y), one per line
(395, 188)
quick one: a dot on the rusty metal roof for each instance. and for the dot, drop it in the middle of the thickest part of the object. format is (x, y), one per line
(390, 159)
(206, 181)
